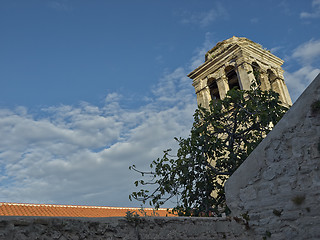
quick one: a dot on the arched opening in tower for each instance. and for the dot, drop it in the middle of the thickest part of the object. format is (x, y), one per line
(232, 77)
(213, 87)
(256, 72)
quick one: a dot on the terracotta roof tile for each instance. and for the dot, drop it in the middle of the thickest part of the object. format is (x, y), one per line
(50, 210)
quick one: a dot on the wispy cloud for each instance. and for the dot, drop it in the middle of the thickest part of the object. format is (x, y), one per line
(275, 49)
(307, 54)
(315, 13)
(199, 53)
(204, 19)
(59, 5)
(80, 154)
(299, 80)
(254, 20)
(285, 6)
(159, 59)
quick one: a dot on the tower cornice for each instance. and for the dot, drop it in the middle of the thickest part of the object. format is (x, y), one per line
(234, 63)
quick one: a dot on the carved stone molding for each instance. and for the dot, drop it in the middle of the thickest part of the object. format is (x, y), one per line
(231, 63)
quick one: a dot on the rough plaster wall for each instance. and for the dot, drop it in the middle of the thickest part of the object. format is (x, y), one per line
(279, 183)
(22, 228)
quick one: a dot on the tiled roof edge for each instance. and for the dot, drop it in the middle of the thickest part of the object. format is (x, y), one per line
(74, 206)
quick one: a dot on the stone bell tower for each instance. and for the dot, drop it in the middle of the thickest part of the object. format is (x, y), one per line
(232, 63)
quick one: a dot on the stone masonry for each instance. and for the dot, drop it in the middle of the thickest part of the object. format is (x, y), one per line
(278, 185)
(157, 228)
(237, 62)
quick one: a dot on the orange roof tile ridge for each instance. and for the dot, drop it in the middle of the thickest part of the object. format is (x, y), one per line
(75, 206)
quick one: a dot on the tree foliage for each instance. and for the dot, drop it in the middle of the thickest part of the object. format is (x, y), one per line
(221, 138)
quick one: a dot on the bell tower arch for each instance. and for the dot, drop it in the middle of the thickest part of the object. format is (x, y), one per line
(237, 63)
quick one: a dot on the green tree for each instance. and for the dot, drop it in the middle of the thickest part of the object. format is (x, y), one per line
(221, 138)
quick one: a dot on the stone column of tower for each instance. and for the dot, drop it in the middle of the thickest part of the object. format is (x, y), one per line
(232, 63)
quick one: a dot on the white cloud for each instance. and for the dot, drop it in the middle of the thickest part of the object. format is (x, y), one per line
(59, 5)
(307, 52)
(275, 49)
(173, 87)
(315, 13)
(299, 80)
(307, 55)
(204, 19)
(199, 54)
(111, 97)
(80, 154)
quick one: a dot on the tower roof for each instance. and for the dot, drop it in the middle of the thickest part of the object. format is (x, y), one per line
(233, 63)
(217, 56)
(221, 46)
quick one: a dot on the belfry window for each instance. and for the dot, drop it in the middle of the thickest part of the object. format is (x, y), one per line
(232, 78)
(213, 87)
(256, 72)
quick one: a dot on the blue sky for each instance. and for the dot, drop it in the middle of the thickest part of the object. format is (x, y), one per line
(91, 87)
